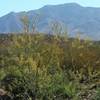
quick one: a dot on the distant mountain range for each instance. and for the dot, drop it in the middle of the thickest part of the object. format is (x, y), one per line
(73, 16)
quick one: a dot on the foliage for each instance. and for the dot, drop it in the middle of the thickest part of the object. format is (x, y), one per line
(47, 67)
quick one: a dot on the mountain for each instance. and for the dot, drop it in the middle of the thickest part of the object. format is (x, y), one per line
(74, 16)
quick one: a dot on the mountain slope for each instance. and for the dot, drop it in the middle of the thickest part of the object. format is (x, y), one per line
(73, 16)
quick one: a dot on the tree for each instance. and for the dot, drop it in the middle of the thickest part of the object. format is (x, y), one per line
(34, 22)
(58, 29)
(26, 23)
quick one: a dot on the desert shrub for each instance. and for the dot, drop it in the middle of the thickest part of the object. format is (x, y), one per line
(47, 67)
(97, 97)
(19, 87)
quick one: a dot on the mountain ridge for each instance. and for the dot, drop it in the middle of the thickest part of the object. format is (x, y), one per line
(74, 16)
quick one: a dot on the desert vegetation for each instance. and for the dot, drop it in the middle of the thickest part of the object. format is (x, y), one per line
(48, 66)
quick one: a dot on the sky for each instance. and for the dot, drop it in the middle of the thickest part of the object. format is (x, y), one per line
(7, 6)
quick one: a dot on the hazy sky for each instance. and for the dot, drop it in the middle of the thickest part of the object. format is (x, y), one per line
(7, 6)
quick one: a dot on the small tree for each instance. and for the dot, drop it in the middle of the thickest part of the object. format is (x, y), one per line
(26, 23)
(58, 29)
(34, 22)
